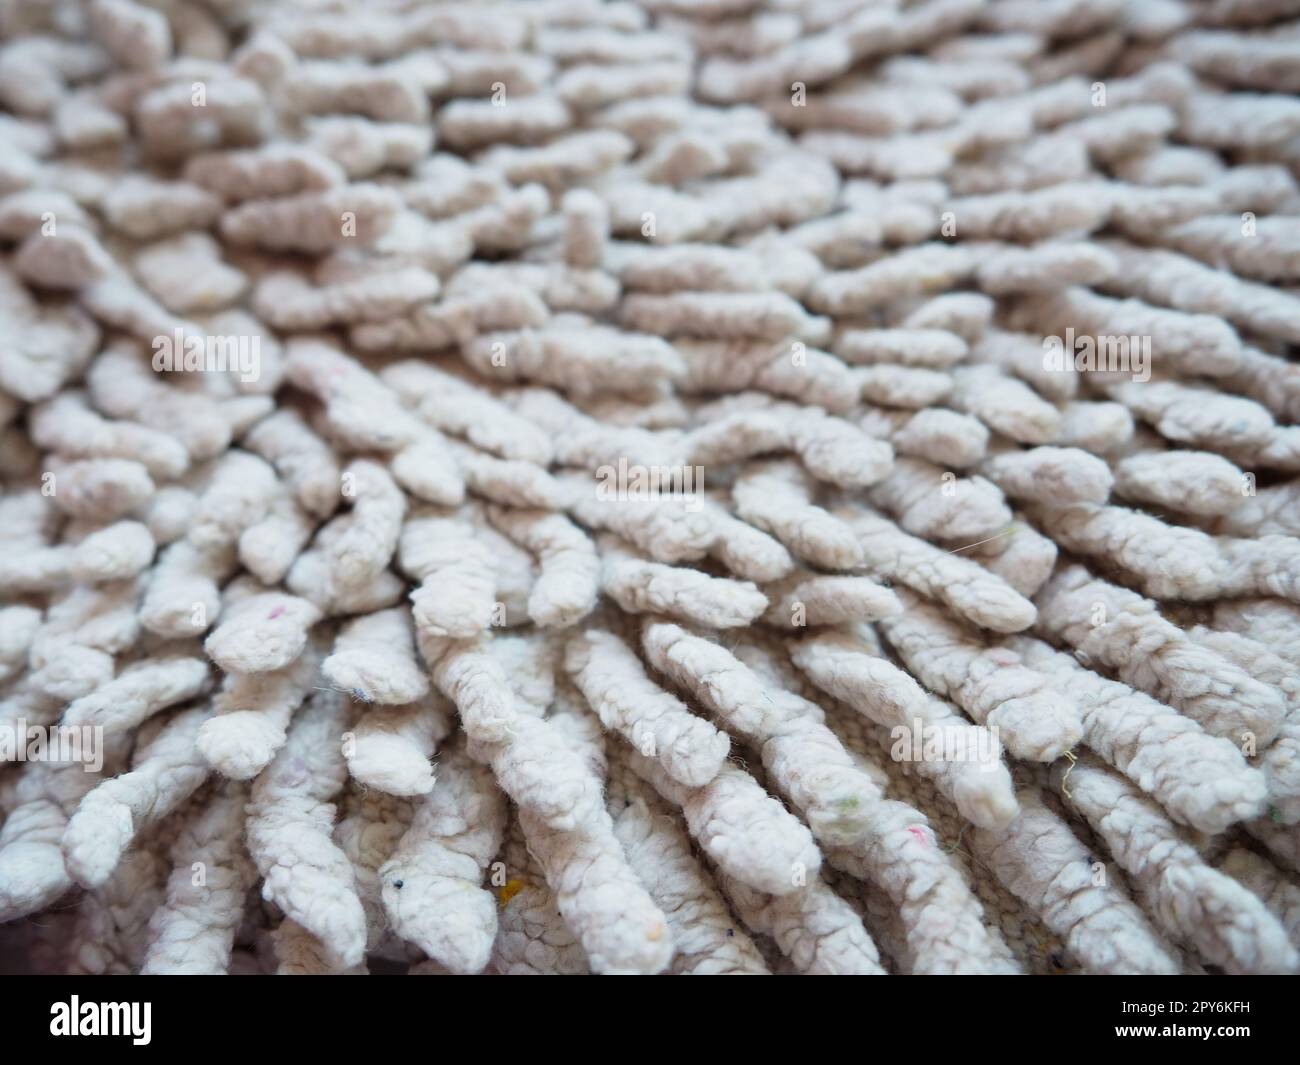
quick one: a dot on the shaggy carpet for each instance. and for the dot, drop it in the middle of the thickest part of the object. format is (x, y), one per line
(693, 486)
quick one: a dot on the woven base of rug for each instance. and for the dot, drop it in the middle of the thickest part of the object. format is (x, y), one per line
(689, 486)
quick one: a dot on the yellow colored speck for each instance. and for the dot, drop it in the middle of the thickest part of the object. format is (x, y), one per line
(509, 891)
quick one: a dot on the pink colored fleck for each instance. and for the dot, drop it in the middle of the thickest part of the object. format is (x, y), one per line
(918, 833)
(275, 613)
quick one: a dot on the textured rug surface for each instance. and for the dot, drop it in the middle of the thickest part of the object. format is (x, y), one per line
(693, 486)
